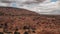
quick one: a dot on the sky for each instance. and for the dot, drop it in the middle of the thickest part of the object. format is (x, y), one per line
(13, 4)
(53, 0)
(46, 7)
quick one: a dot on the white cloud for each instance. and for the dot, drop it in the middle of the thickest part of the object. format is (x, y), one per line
(4, 4)
(45, 7)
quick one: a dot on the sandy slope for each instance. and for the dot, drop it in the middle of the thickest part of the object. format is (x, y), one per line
(14, 19)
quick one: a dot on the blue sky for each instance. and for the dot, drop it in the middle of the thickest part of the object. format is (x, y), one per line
(53, 0)
(14, 4)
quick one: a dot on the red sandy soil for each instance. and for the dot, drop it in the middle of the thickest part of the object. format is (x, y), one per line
(14, 19)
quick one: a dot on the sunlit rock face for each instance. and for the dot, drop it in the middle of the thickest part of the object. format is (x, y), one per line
(22, 21)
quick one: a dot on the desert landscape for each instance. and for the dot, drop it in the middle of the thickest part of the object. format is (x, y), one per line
(22, 21)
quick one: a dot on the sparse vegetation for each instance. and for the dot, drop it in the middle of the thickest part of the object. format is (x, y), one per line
(38, 24)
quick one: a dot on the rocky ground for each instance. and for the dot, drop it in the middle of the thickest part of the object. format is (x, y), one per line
(22, 21)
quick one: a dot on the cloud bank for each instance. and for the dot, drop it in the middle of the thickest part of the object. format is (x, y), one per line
(46, 7)
(39, 6)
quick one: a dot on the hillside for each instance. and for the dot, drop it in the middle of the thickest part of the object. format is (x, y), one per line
(22, 21)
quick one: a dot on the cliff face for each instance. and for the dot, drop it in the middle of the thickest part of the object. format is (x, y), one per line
(22, 21)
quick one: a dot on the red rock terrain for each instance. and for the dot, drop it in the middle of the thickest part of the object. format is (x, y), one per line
(22, 21)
